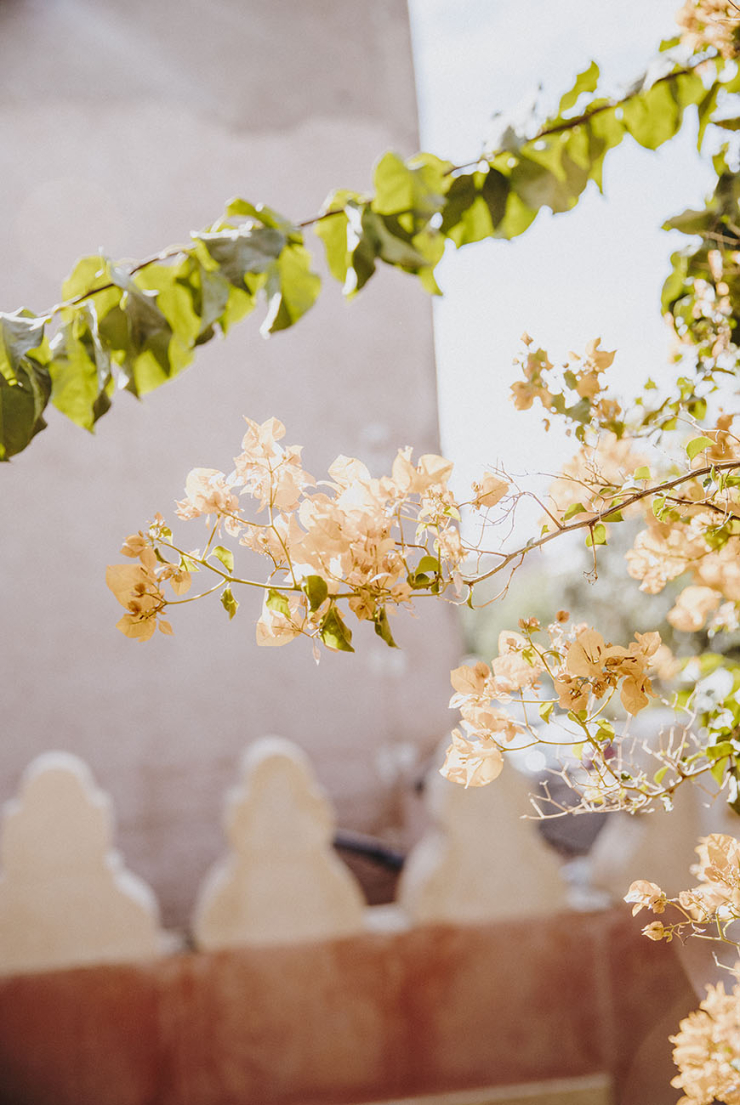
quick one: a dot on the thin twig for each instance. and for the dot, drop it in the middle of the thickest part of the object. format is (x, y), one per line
(603, 515)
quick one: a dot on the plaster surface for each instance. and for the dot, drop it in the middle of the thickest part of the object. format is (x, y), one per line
(123, 127)
(66, 897)
(280, 881)
(482, 858)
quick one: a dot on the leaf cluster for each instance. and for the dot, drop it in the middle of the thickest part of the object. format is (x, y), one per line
(134, 328)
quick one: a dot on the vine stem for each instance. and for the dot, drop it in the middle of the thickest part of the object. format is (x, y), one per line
(592, 518)
(546, 131)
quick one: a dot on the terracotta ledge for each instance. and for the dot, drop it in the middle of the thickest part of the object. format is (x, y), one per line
(596, 1090)
(381, 1015)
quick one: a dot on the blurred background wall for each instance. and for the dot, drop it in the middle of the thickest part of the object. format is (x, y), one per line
(123, 127)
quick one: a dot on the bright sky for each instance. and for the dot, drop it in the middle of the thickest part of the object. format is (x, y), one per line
(593, 272)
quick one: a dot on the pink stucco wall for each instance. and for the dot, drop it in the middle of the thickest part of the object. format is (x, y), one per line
(124, 126)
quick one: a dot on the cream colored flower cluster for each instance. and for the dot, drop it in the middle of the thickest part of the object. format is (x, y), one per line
(355, 544)
(373, 543)
(475, 757)
(710, 23)
(696, 529)
(707, 1051)
(138, 587)
(581, 381)
(594, 477)
(585, 672)
(708, 908)
(592, 668)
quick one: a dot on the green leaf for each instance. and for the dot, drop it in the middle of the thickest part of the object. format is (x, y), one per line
(718, 769)
(717, 751)
(80, 370)
(698, 445)
(573, 509)
(660, 775)
(216, 292)
(654, 116)
(25, 385)
(226, 557)
(243, 250)
(580, 411)
(333, 233)
(88, 274)
(697, 408)
(393, 244)
(606, 131)
(494, 191)
(428, 564)
(418, 580)
(688, 88)
(239, 304)
(292, 289)
(176, 297)
(597, 536)
(545, 710)
(363, 247)
(605, 728)
(140, 338)
(266, 215)
(20, 332)
(416, 188)
(705, 110)
(277, 601)
(585, 82)
(675, 285)
(425, 574)
(21, 405)
(517, 219)
(460, 197)
(394, 185)
(642, 473)
(228, 602)
(316, 591)
(474, 224)
(475, 204)
(382, 627)
(238, 206)
(334, 633)
(658, 506)
(538, 187)
(691, 222)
